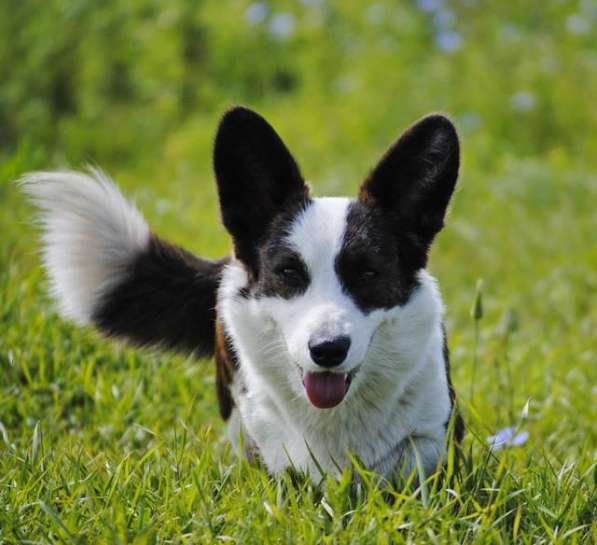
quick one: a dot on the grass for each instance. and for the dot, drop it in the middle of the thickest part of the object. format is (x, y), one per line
(103, 444)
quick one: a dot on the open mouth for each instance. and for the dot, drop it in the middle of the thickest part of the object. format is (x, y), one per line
(326, 390)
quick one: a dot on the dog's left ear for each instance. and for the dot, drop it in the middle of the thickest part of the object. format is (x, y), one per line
(415, 179)
(257, 180)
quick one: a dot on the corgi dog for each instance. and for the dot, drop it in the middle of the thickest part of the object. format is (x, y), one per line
(326, 328)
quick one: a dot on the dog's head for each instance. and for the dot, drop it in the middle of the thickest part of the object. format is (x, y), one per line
(327, 271)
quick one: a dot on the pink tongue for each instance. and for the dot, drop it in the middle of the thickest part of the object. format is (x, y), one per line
(325, 390)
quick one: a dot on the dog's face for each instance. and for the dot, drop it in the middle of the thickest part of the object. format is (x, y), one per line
(327, 272)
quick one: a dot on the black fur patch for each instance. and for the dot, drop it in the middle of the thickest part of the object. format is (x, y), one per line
(376, 265)
(285, 274)
(282, 271)
(167, 298)
(258, 179)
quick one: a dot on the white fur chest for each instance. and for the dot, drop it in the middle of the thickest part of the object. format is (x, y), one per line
(400, 391)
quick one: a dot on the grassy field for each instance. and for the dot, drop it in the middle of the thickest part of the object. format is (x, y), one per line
(103, 444)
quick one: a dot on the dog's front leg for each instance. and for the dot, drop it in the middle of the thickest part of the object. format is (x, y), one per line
(414, 453)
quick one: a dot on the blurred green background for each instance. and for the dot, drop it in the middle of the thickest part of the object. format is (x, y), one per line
(137, 88)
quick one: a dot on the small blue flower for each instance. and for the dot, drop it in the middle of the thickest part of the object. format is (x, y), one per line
(522, 101)
(256, 13)
(429, 6)
(507, 437)
(577, 24)
(448, 40)
(282, 25)
(444, 19)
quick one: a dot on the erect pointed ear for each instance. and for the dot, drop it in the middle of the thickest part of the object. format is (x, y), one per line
(415, 178)
(257, 177)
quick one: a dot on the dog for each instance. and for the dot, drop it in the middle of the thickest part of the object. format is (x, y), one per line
(326, 328)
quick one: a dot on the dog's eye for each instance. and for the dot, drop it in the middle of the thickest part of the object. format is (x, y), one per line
(290, 274)
(365, 271)
(368, 274)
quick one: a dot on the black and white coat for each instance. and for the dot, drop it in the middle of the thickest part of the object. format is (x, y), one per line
(327, 329)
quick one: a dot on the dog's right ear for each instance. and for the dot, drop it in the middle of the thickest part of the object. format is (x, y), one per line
(257, 179)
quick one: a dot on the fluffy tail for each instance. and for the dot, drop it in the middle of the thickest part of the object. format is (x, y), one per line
(107, 268)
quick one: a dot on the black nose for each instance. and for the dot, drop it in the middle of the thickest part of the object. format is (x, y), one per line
(330, 352)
